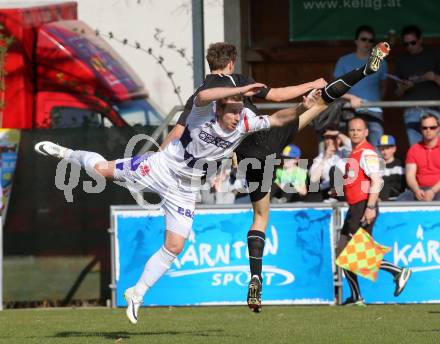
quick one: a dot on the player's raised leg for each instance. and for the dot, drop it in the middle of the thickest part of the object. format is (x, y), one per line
(342, 85)
(52, 149)
(378, 54)
(92, 162)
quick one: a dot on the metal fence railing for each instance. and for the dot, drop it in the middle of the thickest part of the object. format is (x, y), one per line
(382, 104)
(162, 130)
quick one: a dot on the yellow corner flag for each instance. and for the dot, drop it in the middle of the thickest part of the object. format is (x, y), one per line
(362, 255)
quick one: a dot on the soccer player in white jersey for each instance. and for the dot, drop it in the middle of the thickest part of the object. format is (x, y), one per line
(264, 146)
(175, 172)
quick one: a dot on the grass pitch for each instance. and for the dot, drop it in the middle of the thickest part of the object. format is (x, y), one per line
(310, 324)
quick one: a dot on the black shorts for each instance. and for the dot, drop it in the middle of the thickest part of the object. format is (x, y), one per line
(258, 182)
(353, 219)
(266, 142)
(264, 145)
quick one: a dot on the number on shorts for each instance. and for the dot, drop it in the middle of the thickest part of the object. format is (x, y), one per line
(185, 212)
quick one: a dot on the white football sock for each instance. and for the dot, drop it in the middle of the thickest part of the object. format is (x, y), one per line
(156, 266)
(86, 159)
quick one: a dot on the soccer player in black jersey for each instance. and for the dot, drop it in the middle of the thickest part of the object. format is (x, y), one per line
(266, 146)
(221, 59)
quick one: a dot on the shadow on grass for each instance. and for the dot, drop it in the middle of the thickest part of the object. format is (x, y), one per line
(127, 335)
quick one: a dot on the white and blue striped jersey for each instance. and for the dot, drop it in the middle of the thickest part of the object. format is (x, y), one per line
(204, 143)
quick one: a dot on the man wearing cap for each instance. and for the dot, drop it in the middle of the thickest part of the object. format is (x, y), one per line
(394, 172)
(422, 169)
(290, 181)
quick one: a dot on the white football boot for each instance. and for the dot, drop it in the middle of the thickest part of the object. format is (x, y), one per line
(51, 149)
(133, 304)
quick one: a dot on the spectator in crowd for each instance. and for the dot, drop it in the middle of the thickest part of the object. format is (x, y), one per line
(393, 173)
(418, 71)
(372, 88)
(291, 180)
(329, 165)
(422, 168)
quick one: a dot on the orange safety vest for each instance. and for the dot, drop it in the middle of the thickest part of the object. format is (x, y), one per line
(356, 182)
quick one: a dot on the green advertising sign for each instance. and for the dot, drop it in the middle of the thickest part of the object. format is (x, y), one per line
(317, 20)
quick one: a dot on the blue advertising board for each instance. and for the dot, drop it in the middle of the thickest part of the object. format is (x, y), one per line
(213, 267)
(413, 233)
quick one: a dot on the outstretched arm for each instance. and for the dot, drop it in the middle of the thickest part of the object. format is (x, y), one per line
(207, 96)
(313, 112)
(309, 109)
(284, 116)
(281, 94)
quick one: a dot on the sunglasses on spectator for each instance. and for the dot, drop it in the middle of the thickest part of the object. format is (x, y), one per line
(333, 137)
(434, 127)
(365, 39)
(407, 44)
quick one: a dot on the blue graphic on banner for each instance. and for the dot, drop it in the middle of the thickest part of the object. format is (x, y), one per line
(214, 267)
(9, 142)
(414, 236)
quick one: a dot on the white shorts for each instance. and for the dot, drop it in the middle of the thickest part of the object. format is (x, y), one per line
(148, 173)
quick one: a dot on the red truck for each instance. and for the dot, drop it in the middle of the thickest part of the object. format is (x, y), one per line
(62, 82)
(60, 74)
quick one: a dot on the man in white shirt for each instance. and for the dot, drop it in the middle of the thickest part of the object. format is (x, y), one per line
(175, 172)
(329, 166)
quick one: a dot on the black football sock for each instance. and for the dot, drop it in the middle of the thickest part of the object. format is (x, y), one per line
(256, 241)
(340, 86)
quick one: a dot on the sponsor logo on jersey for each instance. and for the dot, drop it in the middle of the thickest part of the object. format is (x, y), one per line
(214, 140)
(144, 170)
